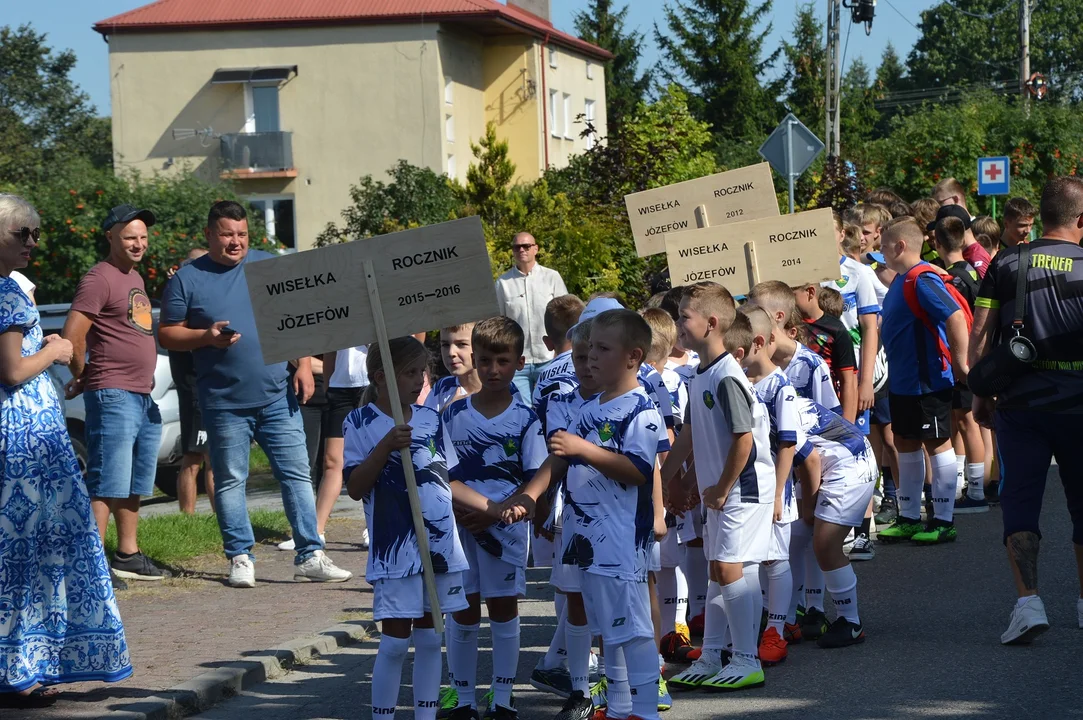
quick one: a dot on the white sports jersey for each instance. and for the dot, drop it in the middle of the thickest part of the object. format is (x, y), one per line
(811, 378)
(446, 390)
(722, 403)
(776, 392)
(561, 410)
(652, 382)
(678, 394)
(393, 552)
(838, 440)
(495, 456)
(858, 295)
(608, 527)
(558, 376)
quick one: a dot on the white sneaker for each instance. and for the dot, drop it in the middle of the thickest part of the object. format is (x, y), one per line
(365, 539)
(848, 542)
(1027, 623)
(290, 545)
(319, 568)
(696, 674)
(242, 573)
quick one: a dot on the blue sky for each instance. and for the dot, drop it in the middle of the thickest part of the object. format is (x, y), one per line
(68, 24)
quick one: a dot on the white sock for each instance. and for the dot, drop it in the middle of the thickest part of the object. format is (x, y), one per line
(666, 586)
(618, 693)
(944, 485)
(842, 584)
(755, 591)
(558, 651)
(911, 478)
(578, 641)
(462, 659)
(560, 601)
(714, 621)
(697, 575)
(682, 596)
(642, 678)
(800, 536)
(814, 581)
(387, 675)
(975, 481)
(960, 467)
(779, 592)
(428, 669)
(505, 659)
(740, 609)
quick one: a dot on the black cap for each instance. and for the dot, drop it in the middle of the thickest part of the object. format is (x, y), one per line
(124, 214)
(955, 211)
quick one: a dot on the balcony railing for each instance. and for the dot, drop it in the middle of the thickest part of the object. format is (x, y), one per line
(264, 152)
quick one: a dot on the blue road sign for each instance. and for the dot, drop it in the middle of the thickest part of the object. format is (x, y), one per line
(994, 176)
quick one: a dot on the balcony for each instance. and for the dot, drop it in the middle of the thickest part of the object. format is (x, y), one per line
(251, 156)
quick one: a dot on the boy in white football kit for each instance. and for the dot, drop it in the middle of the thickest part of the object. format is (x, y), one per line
(493, 444)
(730, 435)
(609, 454)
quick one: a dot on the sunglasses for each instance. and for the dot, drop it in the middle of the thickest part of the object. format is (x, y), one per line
(518, 248)
(26, 233)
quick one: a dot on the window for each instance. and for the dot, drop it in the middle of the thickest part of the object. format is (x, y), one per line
(588, 115)
(277, 214)
(449, 127)
(554, 98)
(590, 70)
(265, 108)
(451, 167)
(568, 129)
(449, 91)
(552, 57)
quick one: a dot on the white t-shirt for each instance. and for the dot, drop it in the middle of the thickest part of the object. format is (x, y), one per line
(776, 392)
(557, 377)
(494, 456)
(651, 381)
(608, 527)
(24, 283)
(350, 370)
(561, 410)
(858, 295)
(393, 552)
(836, 438)
(447, 390)
(723, 402)
(678, 394)
(811, 378)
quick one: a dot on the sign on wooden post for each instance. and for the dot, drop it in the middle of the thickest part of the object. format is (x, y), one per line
(328, 299)
(795, 249)
(733, 196)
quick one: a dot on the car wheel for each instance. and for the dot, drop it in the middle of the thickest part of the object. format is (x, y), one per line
(166, 479)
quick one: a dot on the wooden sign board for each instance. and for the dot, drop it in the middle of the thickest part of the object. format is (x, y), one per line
(795, 249)
(733, 196)
(317, 301)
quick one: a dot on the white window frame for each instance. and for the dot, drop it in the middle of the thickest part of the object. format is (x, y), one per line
(552, 56)
(554, 96)
(590, 70)
(568, 125)
(449, 127)
(449, 91)
(588, 115)
(452, 167)
(268, 214)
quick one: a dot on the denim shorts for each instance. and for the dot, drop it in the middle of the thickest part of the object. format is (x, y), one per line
(123, 432)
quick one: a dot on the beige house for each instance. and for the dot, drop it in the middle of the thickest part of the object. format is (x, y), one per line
(298, 100)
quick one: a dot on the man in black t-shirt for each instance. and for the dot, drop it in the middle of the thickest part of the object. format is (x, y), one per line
(948, 239)
(1037, 418)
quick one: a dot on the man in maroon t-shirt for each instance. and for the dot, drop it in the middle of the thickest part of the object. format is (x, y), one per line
(110, 318)
(955, 206)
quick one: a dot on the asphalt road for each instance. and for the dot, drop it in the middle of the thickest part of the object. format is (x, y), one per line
(933, 618)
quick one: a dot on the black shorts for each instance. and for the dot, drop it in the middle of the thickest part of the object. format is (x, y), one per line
(921, 417)
(340, 403)
(961, 397)
(880, 413)
(193, 435)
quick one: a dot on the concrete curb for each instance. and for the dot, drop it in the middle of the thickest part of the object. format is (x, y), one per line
(212, 687)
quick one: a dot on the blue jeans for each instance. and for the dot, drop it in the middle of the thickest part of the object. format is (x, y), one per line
(123, 431)
(526, 378)
(278, 429)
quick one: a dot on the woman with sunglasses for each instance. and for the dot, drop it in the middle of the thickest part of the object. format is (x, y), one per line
(58, 617)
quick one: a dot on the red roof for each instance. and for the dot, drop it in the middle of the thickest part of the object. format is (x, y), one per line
(181, 15)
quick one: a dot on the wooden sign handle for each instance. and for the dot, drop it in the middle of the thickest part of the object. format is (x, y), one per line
(701, 217)
(407, 459)
(753, 266)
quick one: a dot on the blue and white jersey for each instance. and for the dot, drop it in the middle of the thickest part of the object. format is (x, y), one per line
(557, 377)
(561, 410)
(609, 526)
(678, 394)
(447, 390)
(393, 552)
(838, 440)
(495, 456)
(776, 392)
(811, 378)
(652, 382)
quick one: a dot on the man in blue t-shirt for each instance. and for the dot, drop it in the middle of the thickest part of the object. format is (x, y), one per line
(921, 383)
(206, 310)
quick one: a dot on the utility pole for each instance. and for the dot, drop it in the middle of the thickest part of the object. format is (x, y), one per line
(1024, 47)
(833, 79)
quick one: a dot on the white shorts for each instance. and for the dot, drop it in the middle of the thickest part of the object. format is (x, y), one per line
(654, 557)
(692, 527)
(739, 532)
(672, 552)
(780, 541)
(564, 577)
(845, 495)
(406, 598)
(489, 575)
(542, 550)
(618, 610)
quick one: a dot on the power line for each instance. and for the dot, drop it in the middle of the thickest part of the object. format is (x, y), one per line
(945, 51)
(982, 16)
(845, 49)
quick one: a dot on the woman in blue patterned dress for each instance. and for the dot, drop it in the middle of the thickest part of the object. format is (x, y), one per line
(58, 618)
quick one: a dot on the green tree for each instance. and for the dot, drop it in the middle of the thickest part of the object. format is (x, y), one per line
(712, 50)
(45, 120)
(625, 87)
(488, 180)
(803, 71)
(890, 78)
(857, 110)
